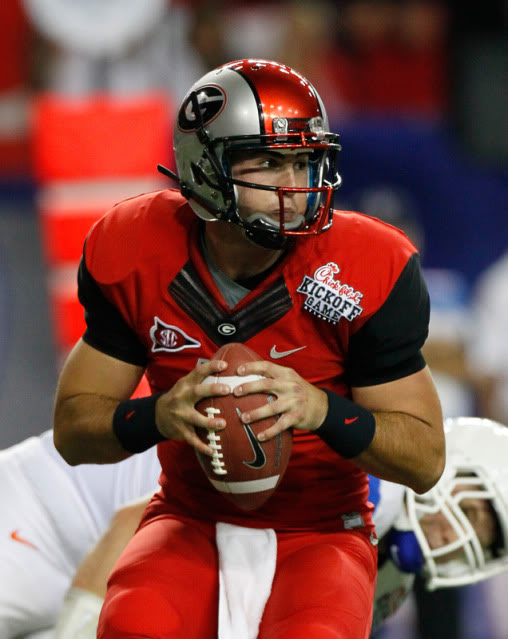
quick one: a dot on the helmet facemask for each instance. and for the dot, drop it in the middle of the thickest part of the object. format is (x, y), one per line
(322, 182)
(463, 560)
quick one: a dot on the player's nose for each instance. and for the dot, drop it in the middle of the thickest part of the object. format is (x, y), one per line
(438, 530)
(289, 178)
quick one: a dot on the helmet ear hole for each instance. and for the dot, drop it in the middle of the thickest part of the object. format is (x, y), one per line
(196, 174)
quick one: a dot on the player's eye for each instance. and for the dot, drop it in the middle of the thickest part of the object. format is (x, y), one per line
(301, 165)
(269, 163)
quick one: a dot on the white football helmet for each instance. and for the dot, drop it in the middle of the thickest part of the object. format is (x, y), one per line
(477, 458)
(254, 105)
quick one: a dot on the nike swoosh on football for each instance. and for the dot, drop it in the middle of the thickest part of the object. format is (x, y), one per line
(259, 454)
(275, 354)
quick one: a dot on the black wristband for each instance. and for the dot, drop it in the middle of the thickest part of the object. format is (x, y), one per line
(134, 424)
(348, 427)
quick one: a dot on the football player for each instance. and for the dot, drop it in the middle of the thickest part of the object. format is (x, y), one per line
(457, 533)
(52, 516)
(249, 248)
(476, 451)
(454, 535)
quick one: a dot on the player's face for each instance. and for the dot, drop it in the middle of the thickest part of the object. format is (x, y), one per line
(288, 168)
(439, 532)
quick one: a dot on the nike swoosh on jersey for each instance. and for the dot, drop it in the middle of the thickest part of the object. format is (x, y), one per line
(275, 354)
(16, 537)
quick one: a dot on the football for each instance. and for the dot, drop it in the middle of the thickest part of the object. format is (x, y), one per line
(245, 470)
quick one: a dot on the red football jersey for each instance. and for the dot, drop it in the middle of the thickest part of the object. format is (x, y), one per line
(347, 308)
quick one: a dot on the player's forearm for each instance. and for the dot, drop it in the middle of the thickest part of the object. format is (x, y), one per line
(93, 572)
(83, 430)
(405, 450)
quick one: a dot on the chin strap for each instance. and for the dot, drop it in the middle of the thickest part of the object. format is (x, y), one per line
(168, 173)
(187, 192)
(258, 232)
(184, 190)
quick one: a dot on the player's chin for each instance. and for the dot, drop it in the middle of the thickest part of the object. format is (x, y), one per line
(458, 555)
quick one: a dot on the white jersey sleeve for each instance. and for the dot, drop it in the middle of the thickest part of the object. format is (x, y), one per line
(52, 514)
(388, 499)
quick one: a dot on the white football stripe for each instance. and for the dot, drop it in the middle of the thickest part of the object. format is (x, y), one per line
(246, 487)
(232, 381)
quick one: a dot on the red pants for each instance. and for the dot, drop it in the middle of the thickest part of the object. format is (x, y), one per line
(165, 586)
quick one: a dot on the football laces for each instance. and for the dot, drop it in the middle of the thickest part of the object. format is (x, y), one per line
(214, 443)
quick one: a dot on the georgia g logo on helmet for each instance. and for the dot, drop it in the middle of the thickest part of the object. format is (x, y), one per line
(211, 100)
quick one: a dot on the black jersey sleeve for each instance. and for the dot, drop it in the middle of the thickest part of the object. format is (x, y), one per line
(106, 329)
(388, 346)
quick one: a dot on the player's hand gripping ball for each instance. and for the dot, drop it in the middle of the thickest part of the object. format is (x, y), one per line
(243, 469)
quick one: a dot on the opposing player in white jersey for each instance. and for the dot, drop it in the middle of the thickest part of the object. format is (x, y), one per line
(62, 528)
(53, 514)
(457, 533)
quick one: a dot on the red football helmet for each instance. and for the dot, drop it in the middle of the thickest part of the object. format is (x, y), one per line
(254, 105)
